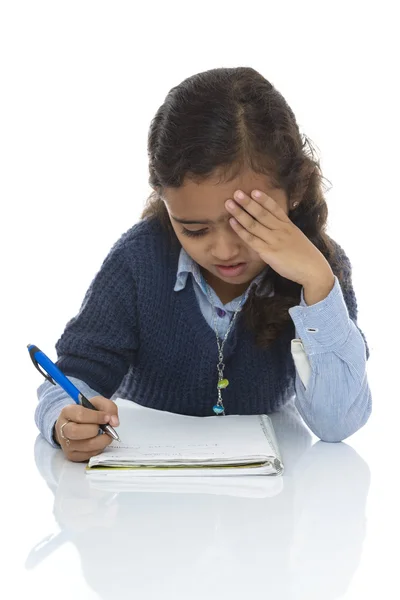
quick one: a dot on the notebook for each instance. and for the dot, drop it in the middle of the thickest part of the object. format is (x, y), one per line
(159, 443)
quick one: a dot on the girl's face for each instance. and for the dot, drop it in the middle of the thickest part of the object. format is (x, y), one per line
(201, 222)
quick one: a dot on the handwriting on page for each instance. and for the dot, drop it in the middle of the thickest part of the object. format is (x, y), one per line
(193, 451)
(184, 446)
(169, 455)
(173, 446)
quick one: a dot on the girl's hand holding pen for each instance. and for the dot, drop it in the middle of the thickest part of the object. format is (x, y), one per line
(77, 428)
(83, 421)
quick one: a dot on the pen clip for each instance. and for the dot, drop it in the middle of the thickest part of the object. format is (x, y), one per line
(32, 352)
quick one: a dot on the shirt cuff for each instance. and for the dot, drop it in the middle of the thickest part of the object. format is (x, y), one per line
(324, 326)
(52, 399)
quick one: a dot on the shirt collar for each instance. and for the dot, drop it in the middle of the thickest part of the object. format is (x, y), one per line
(187, 265)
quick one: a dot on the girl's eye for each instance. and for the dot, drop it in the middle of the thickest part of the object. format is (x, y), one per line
(194, 233)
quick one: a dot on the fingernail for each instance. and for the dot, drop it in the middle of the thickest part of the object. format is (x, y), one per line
(114, 421)
(107, 418)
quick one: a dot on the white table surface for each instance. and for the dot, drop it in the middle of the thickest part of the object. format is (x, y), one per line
(327, 529)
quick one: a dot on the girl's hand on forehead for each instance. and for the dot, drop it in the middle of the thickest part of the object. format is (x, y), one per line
(266, 228)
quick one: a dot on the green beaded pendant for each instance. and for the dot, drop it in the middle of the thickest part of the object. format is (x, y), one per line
(222, 384)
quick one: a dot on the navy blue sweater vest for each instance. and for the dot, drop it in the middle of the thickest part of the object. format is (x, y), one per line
(138, 339)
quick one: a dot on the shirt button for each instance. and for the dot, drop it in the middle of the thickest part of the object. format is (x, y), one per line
(221, 313)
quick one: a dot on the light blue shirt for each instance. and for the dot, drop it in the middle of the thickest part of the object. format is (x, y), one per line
(223, 312)
(329, 355)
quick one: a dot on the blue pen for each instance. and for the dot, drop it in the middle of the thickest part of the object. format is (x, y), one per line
(54, 375)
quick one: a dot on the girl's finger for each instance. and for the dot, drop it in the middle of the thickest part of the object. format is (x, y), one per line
(80, 456)
(269, 205)
(250, 223)
(95, 444)
(80, 414)
(256, 219)
(77, 431)
(257, 244)
(264, 209)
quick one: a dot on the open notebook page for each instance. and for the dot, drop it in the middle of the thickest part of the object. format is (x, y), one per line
(152, 437)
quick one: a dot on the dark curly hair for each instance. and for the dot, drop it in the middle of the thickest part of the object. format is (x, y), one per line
(220, 122)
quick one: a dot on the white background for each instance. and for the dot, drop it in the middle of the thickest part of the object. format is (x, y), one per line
(80, 82)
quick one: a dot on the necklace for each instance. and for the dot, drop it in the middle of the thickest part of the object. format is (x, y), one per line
(219, 408)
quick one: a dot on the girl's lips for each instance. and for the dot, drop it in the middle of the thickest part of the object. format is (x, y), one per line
(232, 271)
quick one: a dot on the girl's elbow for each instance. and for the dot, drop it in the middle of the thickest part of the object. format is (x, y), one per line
(344, 428)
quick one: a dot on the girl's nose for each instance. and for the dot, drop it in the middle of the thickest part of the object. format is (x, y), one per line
(226, 248)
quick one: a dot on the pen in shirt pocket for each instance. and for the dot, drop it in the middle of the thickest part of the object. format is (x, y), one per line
(54, 375)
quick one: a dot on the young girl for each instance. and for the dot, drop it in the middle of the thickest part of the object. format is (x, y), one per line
(227, 296)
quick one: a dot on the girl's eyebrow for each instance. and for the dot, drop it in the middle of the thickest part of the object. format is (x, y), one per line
(222, 218)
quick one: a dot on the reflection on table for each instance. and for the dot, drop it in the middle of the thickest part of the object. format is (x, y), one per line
(298, 536)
